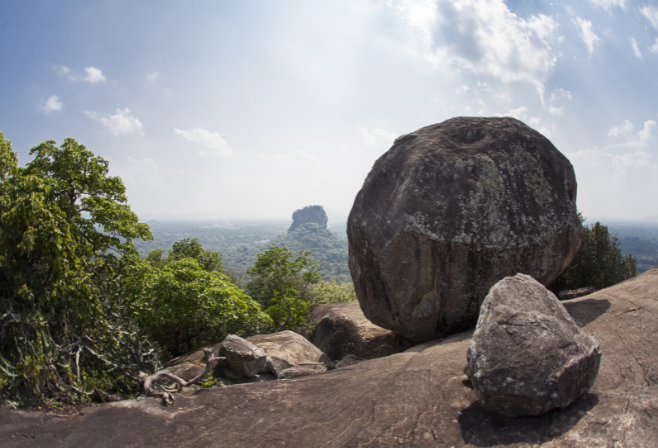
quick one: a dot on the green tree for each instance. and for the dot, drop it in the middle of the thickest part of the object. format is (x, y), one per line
(331, 292)
(183, 306)
(599, 262)
(66, 237)
(281, 283)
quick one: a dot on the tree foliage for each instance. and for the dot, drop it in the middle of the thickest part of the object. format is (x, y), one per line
(184, 301)
(66, 237)
(599, 262)
(280, 284)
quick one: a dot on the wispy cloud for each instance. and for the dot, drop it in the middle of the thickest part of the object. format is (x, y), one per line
(377, 140)
(651, 13)
(277, 156)
(587, 34)
(153, 77)
(607, 4)
(120, 123)
(215, 144)
(636, 50)
(536, 123)
(623, 128)
(654, 47)
(53, 104)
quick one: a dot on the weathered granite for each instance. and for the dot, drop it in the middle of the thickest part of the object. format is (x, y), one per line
(451, 209)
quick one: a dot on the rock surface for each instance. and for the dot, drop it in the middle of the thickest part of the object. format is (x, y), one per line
(574, 293)
(342, 329)
(242, 356)
(419, 398)
(451, 209)
(287, 349)
(528, 356)
(310, 213)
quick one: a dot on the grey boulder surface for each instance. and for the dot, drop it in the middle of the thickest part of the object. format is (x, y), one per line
(342, 329)
(527, 355)
(419, 398)
(451, 209)
(574, 293)
(287, 349)
(243, 356)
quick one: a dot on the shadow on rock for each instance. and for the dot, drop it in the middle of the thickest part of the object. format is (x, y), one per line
(586, 311)
(481, 427)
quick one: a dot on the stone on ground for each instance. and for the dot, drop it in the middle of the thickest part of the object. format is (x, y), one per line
(451, 209)
(574, 293)
(243, 356)
(342, 329)
(528, 356)
(287, 349)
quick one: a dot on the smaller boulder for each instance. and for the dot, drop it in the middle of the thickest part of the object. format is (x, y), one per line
(287, 349)
(527, 355)
(305, 369)
(243, 356)
(342, 329)
(575, 293)
(349, 360)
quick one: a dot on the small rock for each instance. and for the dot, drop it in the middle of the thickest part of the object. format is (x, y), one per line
(527, 355)
(303, 370)
(349, 360)
(243, 356)
(287, 349)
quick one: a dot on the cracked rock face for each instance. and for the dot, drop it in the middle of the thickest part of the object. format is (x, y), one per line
(527, 355)
(450, 210)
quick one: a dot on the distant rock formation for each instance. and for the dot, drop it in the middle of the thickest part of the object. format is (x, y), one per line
(310, 213)
(450, 210)
(528, 356)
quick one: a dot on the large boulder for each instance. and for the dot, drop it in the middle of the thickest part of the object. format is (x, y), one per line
(342, 329)
(419, 398)
(451, 209)
(243, 356)
(286, 349)
(528, 356)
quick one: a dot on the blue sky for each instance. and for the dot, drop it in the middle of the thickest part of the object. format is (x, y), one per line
(252, 109)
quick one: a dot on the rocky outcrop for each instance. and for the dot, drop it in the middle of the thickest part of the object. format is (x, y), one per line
(311, 213)
(242, 356)
(528, 356)
(575, 293)
(342, 329)
(286, 349)
(419, 398)
(451, 209)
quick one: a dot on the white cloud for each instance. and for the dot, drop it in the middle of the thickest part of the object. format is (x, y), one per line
(378, 140)
(120, 123)
(651, 13)
(309, 157)
(94, 75)
(62, 70)
(636, 50)
(624, 128)
(558, 96)
(647, 133)
(482, 36)
(153, 77)
(587, 34)
(211, 140)
(639, 140)
(52, 104)
(637, 159)
(654, 47)
(607, 4)
(521, 113)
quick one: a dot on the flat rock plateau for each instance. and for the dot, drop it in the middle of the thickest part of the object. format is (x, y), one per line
(418, 398)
